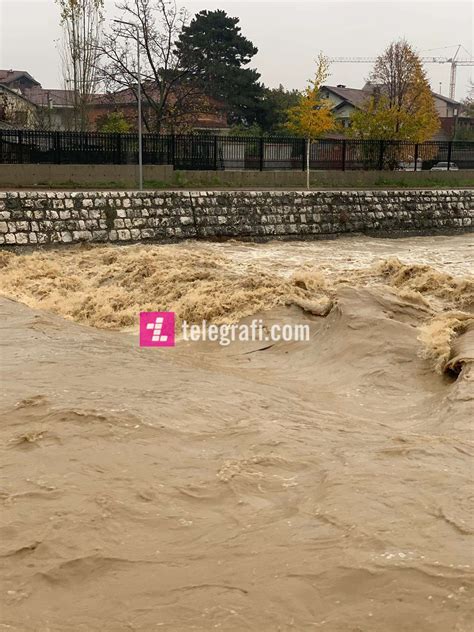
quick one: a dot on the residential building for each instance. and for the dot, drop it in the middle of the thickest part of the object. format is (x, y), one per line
(55, 108)
(16, 111)
(18, 80)
(448, 112)
(52, 109)
(205, 115)
(347, 100)
(25, 103)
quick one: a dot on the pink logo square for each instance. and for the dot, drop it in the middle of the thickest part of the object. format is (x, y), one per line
(157, 329)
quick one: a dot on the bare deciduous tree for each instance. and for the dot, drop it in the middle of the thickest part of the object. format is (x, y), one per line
(169, 96)
(81, 21)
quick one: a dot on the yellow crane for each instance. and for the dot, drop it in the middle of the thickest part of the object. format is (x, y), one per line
(454, 61)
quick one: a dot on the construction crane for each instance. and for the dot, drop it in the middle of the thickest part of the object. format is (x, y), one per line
(454, 61)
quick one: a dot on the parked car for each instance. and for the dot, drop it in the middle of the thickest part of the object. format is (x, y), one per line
(410, 166)
(443, 166)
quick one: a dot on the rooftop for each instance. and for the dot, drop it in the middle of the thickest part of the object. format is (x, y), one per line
(45, 96)
(447, 99)
(9, 76)
(355, 96)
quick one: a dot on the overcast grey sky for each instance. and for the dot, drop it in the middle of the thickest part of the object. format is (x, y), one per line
(288, 35)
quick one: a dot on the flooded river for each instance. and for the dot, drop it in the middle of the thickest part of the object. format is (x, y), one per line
(322, 485)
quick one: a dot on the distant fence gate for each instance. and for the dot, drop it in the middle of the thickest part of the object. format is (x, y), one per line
(206, 152)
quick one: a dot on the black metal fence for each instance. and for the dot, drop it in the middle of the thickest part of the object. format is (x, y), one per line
(205, 152)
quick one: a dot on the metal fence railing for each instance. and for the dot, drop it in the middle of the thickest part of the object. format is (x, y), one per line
(206, 152)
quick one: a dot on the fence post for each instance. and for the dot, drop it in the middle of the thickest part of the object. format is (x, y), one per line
(173, 151)
(381, 150)
(416, 156)
(344, 155)
(262, 147)
(215, 152)
(169, 149)
(119, 149)
(57, 147)
(450, 149)
(303, 155)
(1, 147)
(20, 144)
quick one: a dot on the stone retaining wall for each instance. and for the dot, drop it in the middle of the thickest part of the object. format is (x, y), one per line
(30, 218)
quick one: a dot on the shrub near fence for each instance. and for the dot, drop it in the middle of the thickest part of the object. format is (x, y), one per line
(205, 152)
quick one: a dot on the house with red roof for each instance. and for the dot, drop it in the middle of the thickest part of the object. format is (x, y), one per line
(31, 106)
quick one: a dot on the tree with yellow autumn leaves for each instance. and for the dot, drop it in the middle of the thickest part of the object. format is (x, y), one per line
(401, 106)
(311, 117)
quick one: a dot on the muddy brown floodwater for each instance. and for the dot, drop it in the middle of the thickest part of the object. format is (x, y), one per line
(322, 485)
